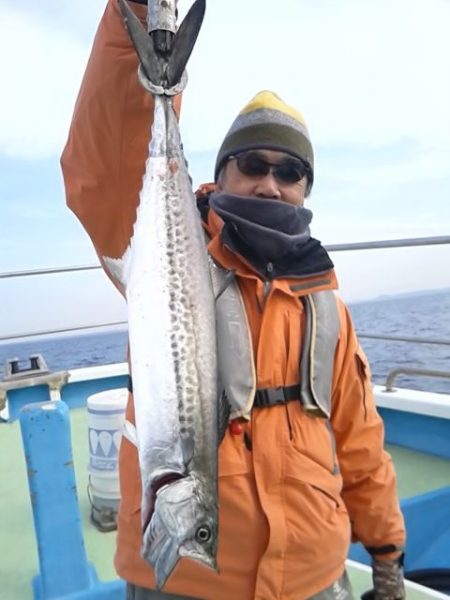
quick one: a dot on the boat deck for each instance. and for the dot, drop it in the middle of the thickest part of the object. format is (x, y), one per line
(18, 557)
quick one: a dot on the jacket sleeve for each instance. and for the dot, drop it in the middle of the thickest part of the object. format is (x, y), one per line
(369, 480)
(103, 161)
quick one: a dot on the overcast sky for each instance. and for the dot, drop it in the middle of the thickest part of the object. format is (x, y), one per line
(372, 78)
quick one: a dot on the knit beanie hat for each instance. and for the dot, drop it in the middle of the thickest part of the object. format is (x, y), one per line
(267, 122)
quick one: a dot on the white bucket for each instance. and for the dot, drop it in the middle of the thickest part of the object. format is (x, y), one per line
(104, 485)
(105, 415)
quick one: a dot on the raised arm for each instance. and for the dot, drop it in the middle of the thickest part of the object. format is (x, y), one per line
(104, 158)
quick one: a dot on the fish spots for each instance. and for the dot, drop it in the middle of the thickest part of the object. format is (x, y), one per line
(186, 419)
(183, 336)
(187, 432)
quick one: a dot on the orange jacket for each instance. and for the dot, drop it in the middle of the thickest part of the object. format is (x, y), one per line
(286, 518)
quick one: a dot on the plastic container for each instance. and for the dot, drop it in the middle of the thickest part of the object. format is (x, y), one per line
(105, 415)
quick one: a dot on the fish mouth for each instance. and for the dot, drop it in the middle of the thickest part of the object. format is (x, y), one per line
(191, 550)
(164, 559)
(169, 554)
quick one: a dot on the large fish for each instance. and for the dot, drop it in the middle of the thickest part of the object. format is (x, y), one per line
(171, 321)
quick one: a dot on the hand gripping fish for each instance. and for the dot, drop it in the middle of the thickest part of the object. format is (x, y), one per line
(171, 321)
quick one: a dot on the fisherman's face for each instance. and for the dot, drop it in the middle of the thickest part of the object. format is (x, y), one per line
(263, 185)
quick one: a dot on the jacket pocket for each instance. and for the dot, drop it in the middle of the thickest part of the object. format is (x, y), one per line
(316, 508)
(312, 438)
(234, 458)
(303, 469)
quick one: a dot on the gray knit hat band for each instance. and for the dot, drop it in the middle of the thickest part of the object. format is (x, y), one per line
(269, 137)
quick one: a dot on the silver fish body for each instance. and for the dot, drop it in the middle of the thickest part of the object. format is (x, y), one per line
(171, 319)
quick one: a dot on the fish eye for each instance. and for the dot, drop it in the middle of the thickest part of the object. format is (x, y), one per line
(203, 534)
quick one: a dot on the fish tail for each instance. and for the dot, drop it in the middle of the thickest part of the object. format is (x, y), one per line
(164, 70)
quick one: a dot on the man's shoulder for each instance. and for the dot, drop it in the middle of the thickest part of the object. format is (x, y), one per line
(204, 190)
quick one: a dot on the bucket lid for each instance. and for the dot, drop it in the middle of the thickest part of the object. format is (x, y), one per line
(108, 399)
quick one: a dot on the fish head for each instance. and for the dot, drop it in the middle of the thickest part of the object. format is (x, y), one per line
(183, 524)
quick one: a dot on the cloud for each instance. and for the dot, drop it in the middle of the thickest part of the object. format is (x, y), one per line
(75, 299)
(362, 72)
(41, 72)
(424, 166)
(77, 18)
(371, 78)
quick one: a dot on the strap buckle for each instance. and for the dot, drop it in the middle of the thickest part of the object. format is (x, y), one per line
(271, 396)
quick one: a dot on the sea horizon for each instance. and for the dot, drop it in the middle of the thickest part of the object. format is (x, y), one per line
(425, 314)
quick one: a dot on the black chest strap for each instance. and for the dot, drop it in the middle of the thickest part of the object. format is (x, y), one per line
(278, 395)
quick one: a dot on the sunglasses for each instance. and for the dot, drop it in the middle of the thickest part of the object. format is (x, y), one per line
(288, 170)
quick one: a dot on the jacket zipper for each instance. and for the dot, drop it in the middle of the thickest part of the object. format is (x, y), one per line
(335, 470)
(268, 280)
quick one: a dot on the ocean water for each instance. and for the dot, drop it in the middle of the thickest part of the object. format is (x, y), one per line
(422, 315)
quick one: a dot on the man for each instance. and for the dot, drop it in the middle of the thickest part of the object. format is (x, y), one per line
(307, 472)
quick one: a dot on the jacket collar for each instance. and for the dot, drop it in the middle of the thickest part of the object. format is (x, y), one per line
(232, 261)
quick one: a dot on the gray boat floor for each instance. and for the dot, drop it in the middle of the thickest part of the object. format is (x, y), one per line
(18, 553)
